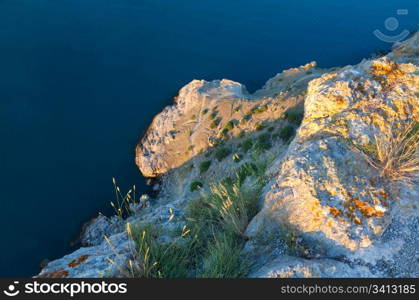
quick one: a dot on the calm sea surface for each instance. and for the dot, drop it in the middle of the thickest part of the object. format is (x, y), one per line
(80, 80)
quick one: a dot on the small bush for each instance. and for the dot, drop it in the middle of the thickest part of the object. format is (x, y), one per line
(260, 126)
(193, 117)
(294, 117)
(247, 145)
(204, 166)
(242, 134)
(215, 123)
(258, 110)
(286, 133)
(204, 111)
(222, 153)
(263, 142)
(213, 115)
(229, 126)
(195, 185)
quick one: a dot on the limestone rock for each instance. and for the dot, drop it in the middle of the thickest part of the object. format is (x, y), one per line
(201, 111)
(295, 267)
(92, 262)
(94, 231)
(325, 189)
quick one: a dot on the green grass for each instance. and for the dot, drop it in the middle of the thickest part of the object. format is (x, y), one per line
(195, 185)
(218, 219)
(247, 145)
(221, 153)
(204, 166)
(294, 117)
(263, 143)
(210, 243)
(286, 132)
(150, 259)
(260, 126)
(222, 258)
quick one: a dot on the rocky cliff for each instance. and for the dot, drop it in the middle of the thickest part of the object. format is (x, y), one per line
(339, 195)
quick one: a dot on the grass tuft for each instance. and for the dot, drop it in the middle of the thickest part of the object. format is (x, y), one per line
(396, 156)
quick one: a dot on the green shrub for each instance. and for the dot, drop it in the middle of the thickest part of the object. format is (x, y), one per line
(193, 117)
(242, 134)
(215, 123)
(213, 115)
(204, 166)
(259, 110)
(294, 117)
(263, 142)
(195, 185)
(260, 126)
(229, 126)
(222, 153)
(204, 111)
(286, 133)
(247, 145)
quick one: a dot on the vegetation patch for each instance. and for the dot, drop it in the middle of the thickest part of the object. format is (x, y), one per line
(195, 185)
(215, 123)
(286, 133)
(222, 153)
(395, 155)
(294, 117)
(204, 166)
(260, 126)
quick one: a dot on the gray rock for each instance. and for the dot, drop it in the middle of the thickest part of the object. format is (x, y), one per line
(295, 267)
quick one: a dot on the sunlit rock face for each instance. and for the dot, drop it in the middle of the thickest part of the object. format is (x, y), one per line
(202, 109)
(325, 189)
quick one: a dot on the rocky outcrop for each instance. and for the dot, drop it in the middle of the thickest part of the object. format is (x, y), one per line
(328, 209)
(202, 110)
(326, 190)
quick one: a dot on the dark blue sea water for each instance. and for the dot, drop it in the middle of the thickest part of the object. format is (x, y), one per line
(80, 80)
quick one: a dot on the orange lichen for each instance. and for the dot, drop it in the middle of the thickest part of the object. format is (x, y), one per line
(335, 212)
(366, 210)
(60, 273)
(78, 261)
(340, 100)
(384, 195)
(357, 221)
(386, 73)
